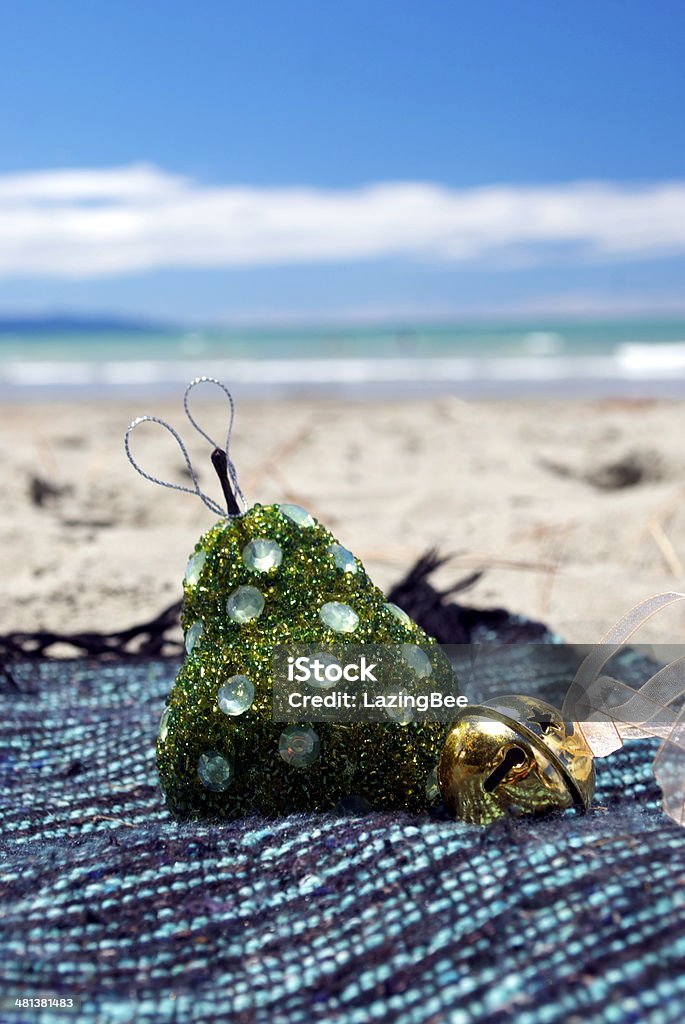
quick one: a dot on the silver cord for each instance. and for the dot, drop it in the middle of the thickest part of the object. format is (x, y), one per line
(229, 463)
(212, 505)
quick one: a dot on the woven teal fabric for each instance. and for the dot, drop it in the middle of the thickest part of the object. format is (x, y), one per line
(106, 900)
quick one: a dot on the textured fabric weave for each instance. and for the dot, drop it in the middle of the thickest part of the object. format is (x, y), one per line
(107, 900)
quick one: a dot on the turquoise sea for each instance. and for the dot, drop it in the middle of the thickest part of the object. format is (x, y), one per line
(635, 356)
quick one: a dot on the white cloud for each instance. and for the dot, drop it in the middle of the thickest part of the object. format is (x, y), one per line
(89, 223)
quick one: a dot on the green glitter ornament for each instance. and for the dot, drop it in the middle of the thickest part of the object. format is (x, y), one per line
(258, 580)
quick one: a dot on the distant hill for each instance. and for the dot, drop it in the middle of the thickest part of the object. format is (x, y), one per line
(69, 324)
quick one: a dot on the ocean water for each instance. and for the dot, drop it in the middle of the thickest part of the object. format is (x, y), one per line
(622, 357)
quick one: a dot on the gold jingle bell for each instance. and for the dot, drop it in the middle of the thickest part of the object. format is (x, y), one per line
(514, 753)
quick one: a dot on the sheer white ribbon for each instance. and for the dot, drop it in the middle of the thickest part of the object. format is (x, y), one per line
(608, 711)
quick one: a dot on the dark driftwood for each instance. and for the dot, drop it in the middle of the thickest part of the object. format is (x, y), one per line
(144, 640)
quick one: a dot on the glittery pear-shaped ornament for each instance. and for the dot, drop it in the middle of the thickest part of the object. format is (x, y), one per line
(261, 579)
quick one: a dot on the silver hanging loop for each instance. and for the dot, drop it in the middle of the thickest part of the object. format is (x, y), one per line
(232, 473)
(220, 457)
(212, 505)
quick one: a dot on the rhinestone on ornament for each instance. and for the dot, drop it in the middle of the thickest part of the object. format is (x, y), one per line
(194, 568)
(214, 771)
(235, 696)
(193, 635)
(403, 715)
(417, 660)
(325, 661)
(164, 725)
(339, 617)
(398, 613)
(343, 559)
(262, 555)
(245, 604)
(299, 746)
(433, 787)
(297, 515)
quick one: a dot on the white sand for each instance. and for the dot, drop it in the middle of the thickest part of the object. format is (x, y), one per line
(501, 485)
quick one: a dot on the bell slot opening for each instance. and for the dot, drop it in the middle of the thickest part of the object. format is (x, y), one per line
(514, 757)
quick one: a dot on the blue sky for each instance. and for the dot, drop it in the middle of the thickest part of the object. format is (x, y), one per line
(213, 99)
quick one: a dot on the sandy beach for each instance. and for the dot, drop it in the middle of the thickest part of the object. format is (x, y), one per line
(573, 509)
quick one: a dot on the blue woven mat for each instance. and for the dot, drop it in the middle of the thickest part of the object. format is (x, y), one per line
(106, 900)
